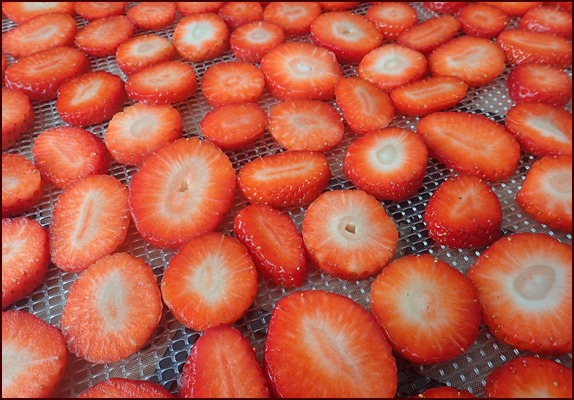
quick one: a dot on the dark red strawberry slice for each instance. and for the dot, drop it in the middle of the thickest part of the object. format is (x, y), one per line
(246, 80)
(539, 83)
(222, 364)
(482, 20)
(183, 190)
(392, 19)
(525, 46)
(444, 392)
(91, 10)
(17, 116)
(294, 18)
(514, 8)
(322, 344)
(548, 19)
(21, 185)
(22, 11)
(525, 291)
(112, 309)
(152, 14)
(198, 7)
(240, 13)
(250, 42)
(201, 37)
(122, 388)
(143, 51)
(338, 5)
(430, 34)
(444, 7)
(101, 38)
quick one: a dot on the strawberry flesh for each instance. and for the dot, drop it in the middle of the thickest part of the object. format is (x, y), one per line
(101, 38)
(17, 116)
(482, 20)
(539, 83)
(21, 185)
(143, 51)
(294, 18)
(201, 37)
(391, 19)
(250, 42)
(125, 388)
(522, 46)
(23, 11)
(91, 10)
(430, 34)
(152, 15)
(246, 80)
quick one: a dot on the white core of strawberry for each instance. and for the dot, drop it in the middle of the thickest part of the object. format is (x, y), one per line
(348, 31)
(41, 34)
(198, 32)
(469, 58)
(209, 279)
(15, 361)
(388, 154)
(292, 12)
(259, 35)
(38, 5)
(546, 128)
(86, 92)
(561, 183)
(425, 91)
(535, 282)
(10, 183)
(391, 63)
(112, 302)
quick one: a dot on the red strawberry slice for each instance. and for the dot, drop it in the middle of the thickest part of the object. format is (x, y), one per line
(348, 234)
(525, 46)
(470, 144)
(338, 5)
(392, 19)
(246, 80)
(274, 244)
(183, 190)
(31, 348)
(198, 7)
(222, 364)
(444, 392)
(234, 126)
(444, 7)
(22, 11)
(152, 14)
(66, 154)
(514, 8)
(216, 275)
(541, 129)
(298, 70)
(17, 116)
(525, 291)
(112, 309)
(322, 344)
(140, 52)
(122, 388)
(40, 33)
(305, 125)
(294, 18)
(239, 13)
(92, 10)
(201, 37)
(430, 34)
(89, 220)
(548, 19)
(539, 83)
(21, 185)
(25, 258)
(250, 42)
(350, 36)
(546, 193)
(482, 20)
(101, 38)
(389, 163)
(285, 179)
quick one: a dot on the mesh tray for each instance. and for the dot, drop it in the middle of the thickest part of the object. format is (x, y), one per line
(163, 358)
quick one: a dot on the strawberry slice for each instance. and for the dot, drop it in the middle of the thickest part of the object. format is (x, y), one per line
(338, 5)
(539, 83)
(549, 20)
(201, 37)
(546, 193)
(89, 220)
(216, 275)
(17, 116)
(21, 185)
(92, 10)
(31, 348)
(392, 19)
(183, 190)
(122, 388)
(305, 125)
(152, 14)
(274, 244)
(239, 13)
(471, 144)
(112, 309)
(430, 34)
(444, 7)
(389, 163)
(294, 17)
(140, 52)
(285, 179)
(525, 46)
(514, 8)
(482, 20)
(66, 154)
(348, 234)
(350, 36)
(444, 392)
(246, 80)
(250, 42)
(322, 344)
(23, 11)
(101, 38)
(525, 291)
(541, 129)
(223, 364)
(198, 7)
(40, 33)
(25, 258)
(234, 126)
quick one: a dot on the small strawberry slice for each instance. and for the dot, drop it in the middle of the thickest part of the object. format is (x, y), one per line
(92, 10)
(101, 38)
(240, 13)
(338, 5)
(22, 11)
(444, 7)
(4, 65)
(482, 20)
(549, 20)
(444, 392)
(21, 185)
(222, 364)
(181, 191)
(216, 275)
(17, 116)
(322, 344)
(392, 19)
(539, 83)
(31, 348)
(201, 37)
(140, 52)
(250, 42)
(430, 34)
(246, 80)
(525, 46)
(112, 309)
(514, 8)
(66, 154)
(121, 388)
(541, 129)
(294, 18)
(89, 220)
(525, 290)
(389, 164)
(198, 7)
(152, 14)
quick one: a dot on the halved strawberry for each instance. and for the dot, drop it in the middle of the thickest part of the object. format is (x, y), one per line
(139, 130)
(201, 37)
(539, 83)
(294, 18)
(322, 344)
(92, 10)
(285, 179)
(183, 190)
(246, 80)
(222, 364)
(444, 392)
(514, 8)
(152, 14)
(471, 144)
(90, 220)
(338, 5)
(198, 7)
(430, 34)
(541, 129)
(112, 309)
(392, 19)
(21, 185)
(548, 19)
(525, 290)
(101, 38)
(122, 388)
(482, 20)
(239, 13)
(66, 154)
(140, 52)
(546, 193)
(250, 42)
(22, 11)
(444, 7)
(40, 33)
(234, 126)
(389, 164)
(525, 46)
(216, 275)
(17, 116)
(162, 83)
(31, 348)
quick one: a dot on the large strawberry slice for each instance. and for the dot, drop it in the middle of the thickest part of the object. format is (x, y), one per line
(444, 392)
(430, 34)
(548, 19)
(539, 83)
(198, 7)
(522, 46)
(152, 14)
(143, 51)
(122, 388)
(525, 290)
(22, 11)
(101, 38)
(392, 18)
(17, 116)
(201, 37)
(482, 20)
(21, 185)
(250, 42)
(294, 18)
(246, 80)
(237, 13)
(112, 309)
(514, 8)
(322, 344)
(91, 10)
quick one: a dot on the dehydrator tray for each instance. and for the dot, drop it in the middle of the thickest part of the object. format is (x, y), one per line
(162, 359)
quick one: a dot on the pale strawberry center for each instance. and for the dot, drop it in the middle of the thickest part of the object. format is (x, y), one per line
(535, 282)
(86, 92)
(469, 56)
(259, 36)
(386, 155)
(561, 183)
(209, 279)
(349, 228)
(12, 249)
(112, 302)
(15, 361)
(366, 102)
(41, 34)
(198, 32)
(425, 91)
(143, 126)
(292, 12)
(546, 128)
(10, 183)
(144, 48)
(347, 31)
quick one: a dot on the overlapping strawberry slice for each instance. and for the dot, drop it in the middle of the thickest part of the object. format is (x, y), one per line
(539, 83)
(101, 37)
(392, 18)
(522, 46)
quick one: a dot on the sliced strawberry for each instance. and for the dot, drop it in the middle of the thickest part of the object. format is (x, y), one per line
(40, 33)
(181, 191)
(541, 129)
(561, 5)
(444, 7)
(338, 5)
(152, 15)
(21, 185)
(122, 388)
(65, 155)
(222, 364)
(216, 275)
(139, 130)
(22, 11)
(444, 392)
(89, 220)
(322, 344)
(549, 20)
(239, 13)
(471, 144)
(112, 309)
(140, 52)
(34, 353)
(250, 42)
(514, 8)
(92, 10)
(482, 20)
(546, 193)
(198, 7)
(285, 179)
(101, 38)
(430, 34)
(246, 80)
(539, 83)
(201, 37)
(392, 19)
(389, 163)
(525, 46)
(294, 18)
(234, 126)
(17, 116)
(162, 83)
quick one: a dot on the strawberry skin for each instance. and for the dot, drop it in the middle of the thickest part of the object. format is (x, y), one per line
(539, 83)
(125, 388)
(444, 392)
(430, 34)
(21, 185)
(95, 10)
(143, 51)
(294, 18)
(250, 42)
(152, 14)
(482, 20)
(525, 46)
(246, 80)
(548, 19)
(17, 116)
(101, 38)
(201, 37)
(23, 11)
(392, 19)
